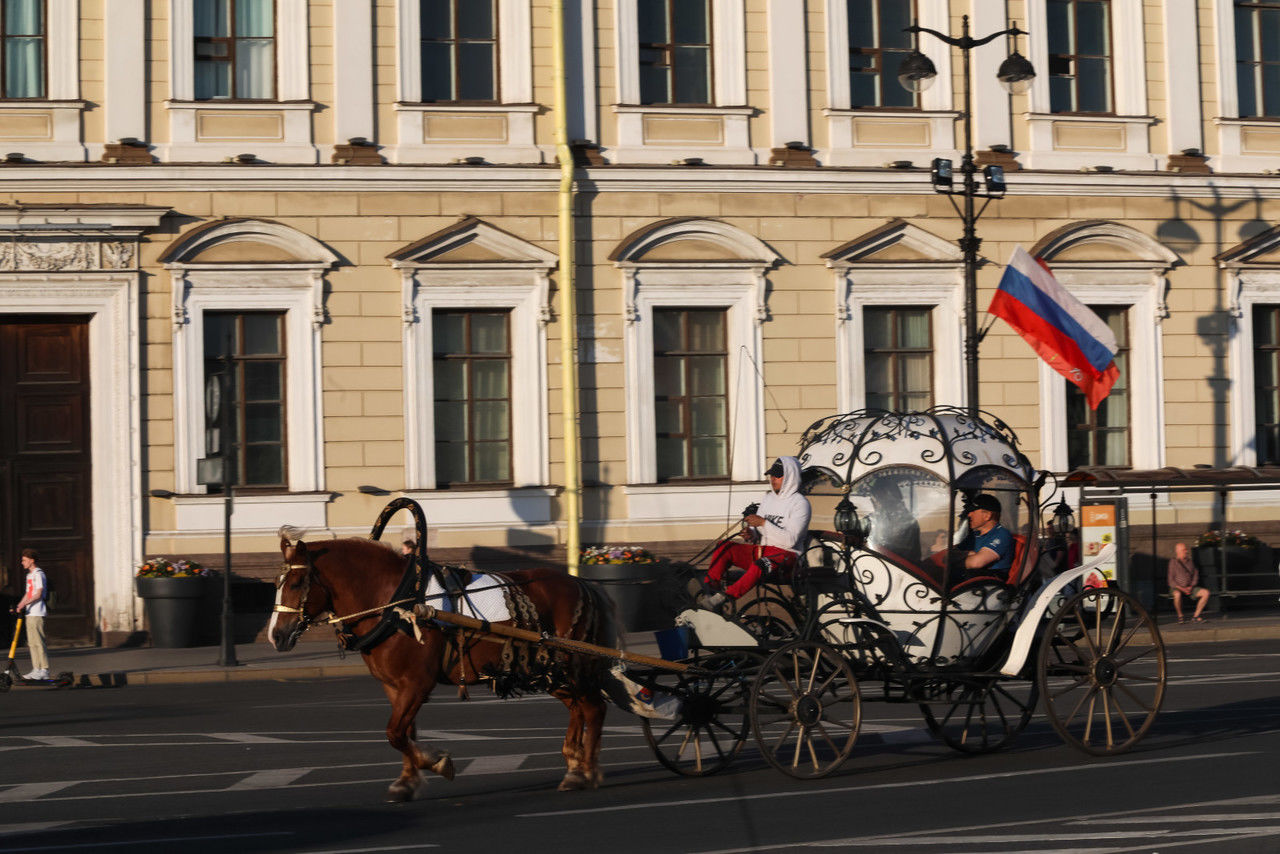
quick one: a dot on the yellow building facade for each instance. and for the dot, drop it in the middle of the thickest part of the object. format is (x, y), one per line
(758, 244)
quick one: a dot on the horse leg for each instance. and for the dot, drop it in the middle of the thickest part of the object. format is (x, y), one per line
(581, 748)
(402, 733)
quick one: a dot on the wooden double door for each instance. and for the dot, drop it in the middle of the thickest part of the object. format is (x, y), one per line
(45, 467)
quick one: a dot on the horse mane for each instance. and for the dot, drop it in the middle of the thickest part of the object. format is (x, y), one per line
(292, 534)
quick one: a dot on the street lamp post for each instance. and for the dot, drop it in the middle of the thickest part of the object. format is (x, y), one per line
(917, 73)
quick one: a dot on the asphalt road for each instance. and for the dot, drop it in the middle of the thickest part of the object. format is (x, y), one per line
(303, 766)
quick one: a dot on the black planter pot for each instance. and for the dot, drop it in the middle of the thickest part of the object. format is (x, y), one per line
(634, 589)
(173, 609)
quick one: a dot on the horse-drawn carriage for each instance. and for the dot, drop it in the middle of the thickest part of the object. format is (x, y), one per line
(881, 607)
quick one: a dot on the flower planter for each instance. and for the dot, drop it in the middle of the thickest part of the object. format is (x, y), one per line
(172, 607)
(633, 588)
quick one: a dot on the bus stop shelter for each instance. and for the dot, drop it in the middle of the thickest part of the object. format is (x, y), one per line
(1224, 575)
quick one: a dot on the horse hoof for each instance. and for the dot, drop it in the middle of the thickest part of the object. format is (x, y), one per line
(444, 767)
(575, 781)
(400, 792)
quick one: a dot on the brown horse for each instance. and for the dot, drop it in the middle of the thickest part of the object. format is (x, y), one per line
(358, 579)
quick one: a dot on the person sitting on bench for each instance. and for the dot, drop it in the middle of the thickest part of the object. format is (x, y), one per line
(774, 535)
(1184, 580)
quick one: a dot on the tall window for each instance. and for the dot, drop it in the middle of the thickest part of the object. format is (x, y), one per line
(459, 50)
(675, 51)
(877, 46)
(257, 346)
(1100, 437)
(1258, 57)
(898, 355)
(1080, 56)
(22, 48)
(472, 370)
(690, 400)
(1266, 383)
(235, 50)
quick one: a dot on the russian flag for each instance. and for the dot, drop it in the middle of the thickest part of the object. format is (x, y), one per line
(1073, 340)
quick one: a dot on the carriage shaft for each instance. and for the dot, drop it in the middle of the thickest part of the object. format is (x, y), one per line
(496, 630)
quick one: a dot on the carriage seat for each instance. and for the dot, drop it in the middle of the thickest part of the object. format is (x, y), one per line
(1016, 571)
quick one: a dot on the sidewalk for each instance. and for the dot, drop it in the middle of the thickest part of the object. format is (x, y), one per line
(318, 657)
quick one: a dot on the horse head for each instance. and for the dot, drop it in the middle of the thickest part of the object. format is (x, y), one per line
(301, 597)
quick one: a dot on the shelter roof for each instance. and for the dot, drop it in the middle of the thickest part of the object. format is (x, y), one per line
(1173, 479)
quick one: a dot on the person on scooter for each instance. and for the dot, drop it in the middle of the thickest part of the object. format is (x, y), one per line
(33, 602)
(774, 535)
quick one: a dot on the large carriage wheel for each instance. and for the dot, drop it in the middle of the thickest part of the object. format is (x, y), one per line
(769, 619)
(713, 717)
(1101, 670)
(982, 715)
(805, 710)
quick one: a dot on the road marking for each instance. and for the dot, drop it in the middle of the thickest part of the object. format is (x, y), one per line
(31, 827)
(501, 764)
(60, 741)
(417, 846)
(809, 793)
(248, 738)
(31, 791)
(272, 778)
(127, 843)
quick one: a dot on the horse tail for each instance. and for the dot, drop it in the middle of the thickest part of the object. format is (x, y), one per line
(419, 520)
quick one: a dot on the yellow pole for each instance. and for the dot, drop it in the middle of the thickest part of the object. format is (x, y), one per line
(568, 314)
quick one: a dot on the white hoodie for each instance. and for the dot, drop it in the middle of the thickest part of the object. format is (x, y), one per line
(786, 512)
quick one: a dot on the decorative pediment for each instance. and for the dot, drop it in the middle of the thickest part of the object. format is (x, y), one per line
(689, 240)
(1101, 242)
(1261, 250)
(256, 242)
(895, 242)
(472, 242)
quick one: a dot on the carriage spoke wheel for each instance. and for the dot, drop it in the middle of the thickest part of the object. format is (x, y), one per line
(713, 716)
(769, 620)
(1101, 670)
(805, 710)
(981, 716)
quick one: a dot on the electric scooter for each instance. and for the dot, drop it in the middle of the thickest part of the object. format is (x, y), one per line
(11, 676)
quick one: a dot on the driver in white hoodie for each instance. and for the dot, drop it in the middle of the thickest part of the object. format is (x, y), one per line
(774, 535)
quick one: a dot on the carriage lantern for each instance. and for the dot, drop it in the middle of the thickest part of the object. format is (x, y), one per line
(1064, 521)
(846, 520)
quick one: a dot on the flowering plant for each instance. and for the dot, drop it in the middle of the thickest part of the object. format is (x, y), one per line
(615, 554)
(1216, 538)
(160, 567)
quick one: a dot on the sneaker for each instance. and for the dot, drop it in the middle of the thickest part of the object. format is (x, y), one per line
(711, 602)
(36, 675)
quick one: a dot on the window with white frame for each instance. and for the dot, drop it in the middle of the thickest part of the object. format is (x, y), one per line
(898, 323)
(698, 318)
(235, 50)
(272, 312)
(877, 45)
(1254, 283)
(475, 363)
(1102, 437)
(459, 44)
(22, 49)
(40, 106)
(1130, 289)
(1086, 107)
(465, 81)
(1266, 384)
(1257, 35)
(675, 51)
(1079, 34)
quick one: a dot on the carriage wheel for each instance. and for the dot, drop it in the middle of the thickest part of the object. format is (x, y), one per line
(1101, 670)
(713, 718)
(805, 710)
(982, 716)
(769, 620)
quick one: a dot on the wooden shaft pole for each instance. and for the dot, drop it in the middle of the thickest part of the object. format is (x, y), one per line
(427, 612)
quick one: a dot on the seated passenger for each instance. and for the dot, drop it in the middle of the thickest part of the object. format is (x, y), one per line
(988, 547)
(775, 533)
(893, 528)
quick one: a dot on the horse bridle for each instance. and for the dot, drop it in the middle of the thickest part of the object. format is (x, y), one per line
(304, 620)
